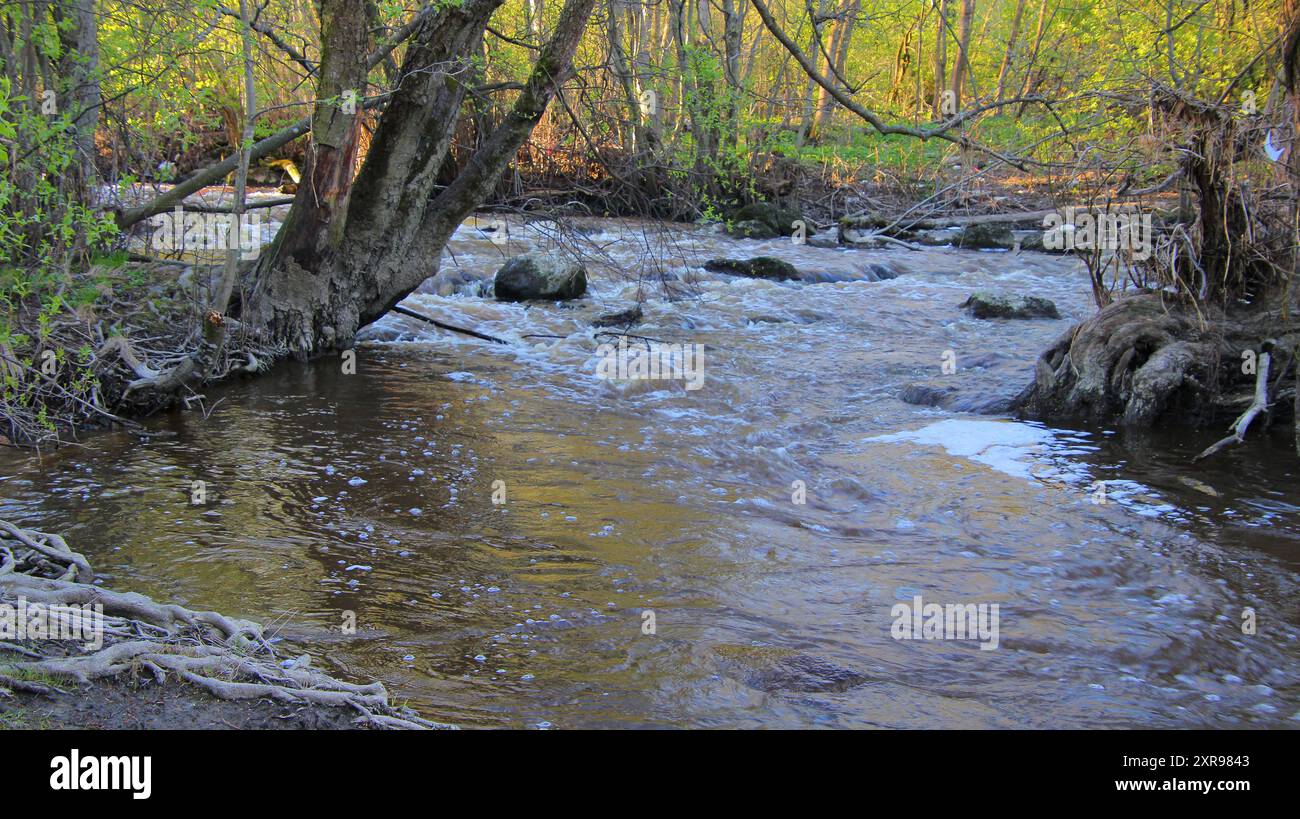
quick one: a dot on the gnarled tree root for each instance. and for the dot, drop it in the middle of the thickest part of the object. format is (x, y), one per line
(227, 657)
(1145, 358)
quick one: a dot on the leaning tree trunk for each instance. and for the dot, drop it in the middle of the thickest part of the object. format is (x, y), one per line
(840, 44)
(620, 65)
(394, 221)
(1009, 56)
(810, 101)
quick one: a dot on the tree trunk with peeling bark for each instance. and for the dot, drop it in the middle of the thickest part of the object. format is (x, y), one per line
(315, 218)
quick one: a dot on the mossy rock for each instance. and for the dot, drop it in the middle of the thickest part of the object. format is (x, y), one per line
(541, 276)
(779, 220)
(991, 305)
(759, 267)
(985, 237)
(751, 229)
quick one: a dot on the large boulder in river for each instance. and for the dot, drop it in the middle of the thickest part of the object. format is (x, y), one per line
(984, 305)
(926, 395)
(623, 318)
(763, 220)
(540, 276)
(985, 236)
(759, 267)
(950, 398)
(772, 669)
(751, 229)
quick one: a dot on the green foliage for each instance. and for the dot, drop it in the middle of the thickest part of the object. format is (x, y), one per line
(47, 227)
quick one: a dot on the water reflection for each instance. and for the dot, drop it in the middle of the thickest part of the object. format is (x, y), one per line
(372, 494)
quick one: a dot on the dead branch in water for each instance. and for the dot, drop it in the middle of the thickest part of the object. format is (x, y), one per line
(1260, 404)
(444, 326)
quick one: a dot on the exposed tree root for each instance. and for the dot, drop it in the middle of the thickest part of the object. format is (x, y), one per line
(9, 684)
(227, 657)
(1146, 358)
(49, 546)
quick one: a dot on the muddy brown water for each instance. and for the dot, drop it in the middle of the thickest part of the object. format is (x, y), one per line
(332, 495)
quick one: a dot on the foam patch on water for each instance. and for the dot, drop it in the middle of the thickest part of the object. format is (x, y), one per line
(1006, 446)
(1036, 453)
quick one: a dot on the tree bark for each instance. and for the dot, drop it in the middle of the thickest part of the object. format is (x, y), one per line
(395, 222)
(620, 65)
(840, 43)
(79, 67)
(215, 326)
(940, 58)
(1290, 71)
(733, 26)
(312, 225)
(811, 98)
(1009, 56)
(961, 70)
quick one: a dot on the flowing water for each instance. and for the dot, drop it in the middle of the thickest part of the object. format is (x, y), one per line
(1126, 580)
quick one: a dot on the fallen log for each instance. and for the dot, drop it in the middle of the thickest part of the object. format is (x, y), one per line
(1034, 217)
(262, 203)
(1005, 231)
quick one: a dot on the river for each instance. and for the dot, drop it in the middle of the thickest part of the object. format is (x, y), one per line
(651, 564)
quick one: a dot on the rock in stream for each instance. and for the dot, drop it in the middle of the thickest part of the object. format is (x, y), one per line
(540, 276)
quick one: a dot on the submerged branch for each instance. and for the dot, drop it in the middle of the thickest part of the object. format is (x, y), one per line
(443, 325)
(1260, 404)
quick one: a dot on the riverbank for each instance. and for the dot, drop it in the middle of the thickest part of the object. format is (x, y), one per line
(76, 654)
(131, 705)
(71, 350)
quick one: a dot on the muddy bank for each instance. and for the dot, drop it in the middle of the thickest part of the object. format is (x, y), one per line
(142, 704)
